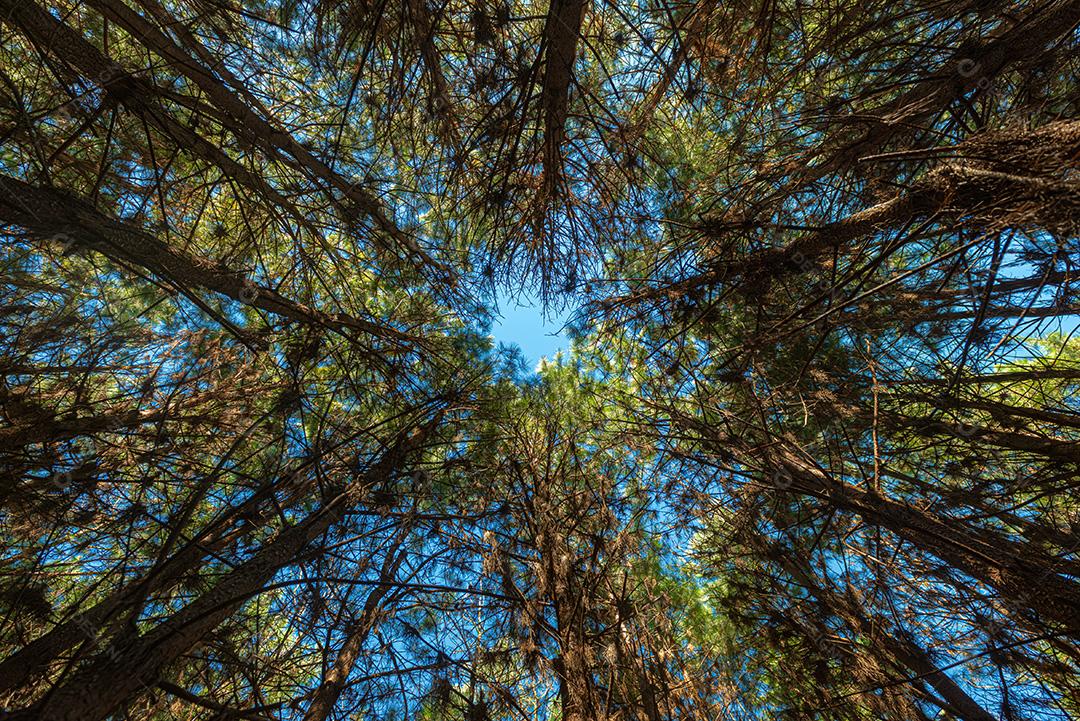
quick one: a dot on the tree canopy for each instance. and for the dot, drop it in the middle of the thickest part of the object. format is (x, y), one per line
(813, 452)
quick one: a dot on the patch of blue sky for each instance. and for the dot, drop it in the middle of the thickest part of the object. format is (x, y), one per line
(522, 321)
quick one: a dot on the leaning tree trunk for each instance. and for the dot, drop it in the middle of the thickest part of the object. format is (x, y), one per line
(116, 674)
(333, 683)
(1022, 578)
(901, 649)
(33, 659)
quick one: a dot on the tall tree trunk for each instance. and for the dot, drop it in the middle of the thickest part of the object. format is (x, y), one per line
(33, 659)
(51, 213)
(72, 50)
(562, 30)
(53, 429)
(252, 126)
(902, 649)
(577, 694)
(115, 675)
(1022, 576)
(1055, 449)
(334, 680)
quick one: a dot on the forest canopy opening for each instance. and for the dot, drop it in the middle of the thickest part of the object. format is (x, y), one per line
(806, 446)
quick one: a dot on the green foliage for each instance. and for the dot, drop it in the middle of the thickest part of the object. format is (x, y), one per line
(810, 452)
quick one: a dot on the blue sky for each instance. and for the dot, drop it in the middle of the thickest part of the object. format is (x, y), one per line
(522, 323)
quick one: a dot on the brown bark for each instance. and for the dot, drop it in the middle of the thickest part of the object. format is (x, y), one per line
(423, 33)
(1022, 577)
(1053, 448)
(115, 675)
(977, 191)
(1026, 375)
(898, 647)
(790, 258)
(915, 658)
(1022, 41)
(253, 127)
(52, 429)
(561, 32)
(335, 678)
(55, 38)
(1004, 413)
(34, 659)
(51, 213)
(577, 693)
(933, 315)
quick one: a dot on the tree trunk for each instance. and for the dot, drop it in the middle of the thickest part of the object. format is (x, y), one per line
(1022, 577)
(50, 213)
(34, 658)
(115, 675)
(333, 683)
(903, 650)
